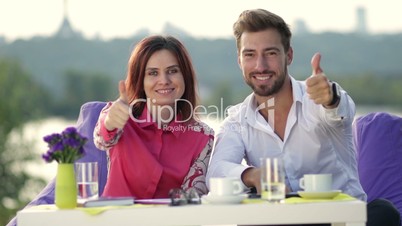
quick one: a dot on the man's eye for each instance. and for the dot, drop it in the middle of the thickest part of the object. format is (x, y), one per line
(272, 53)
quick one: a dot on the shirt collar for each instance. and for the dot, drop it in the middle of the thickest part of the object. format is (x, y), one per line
(297, 90)
(251, 104)
(176, 126)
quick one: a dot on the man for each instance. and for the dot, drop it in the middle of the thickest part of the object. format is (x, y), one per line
(308, 123)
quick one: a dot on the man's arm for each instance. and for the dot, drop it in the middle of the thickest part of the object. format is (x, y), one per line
(251, 177)
(228, 153)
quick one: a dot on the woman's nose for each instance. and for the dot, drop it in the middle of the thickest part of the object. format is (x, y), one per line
(164, 78)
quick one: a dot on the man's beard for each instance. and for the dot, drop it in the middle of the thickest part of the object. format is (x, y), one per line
(264, 90)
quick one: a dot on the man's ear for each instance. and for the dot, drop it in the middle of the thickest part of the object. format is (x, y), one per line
(238, 59)
(289, 55)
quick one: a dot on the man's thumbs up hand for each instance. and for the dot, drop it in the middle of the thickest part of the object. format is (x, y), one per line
(315, 64)
(318, 85)
(119, 112)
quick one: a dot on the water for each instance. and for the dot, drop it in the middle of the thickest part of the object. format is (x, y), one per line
(87, 191)
(274, 192)
(34, 132)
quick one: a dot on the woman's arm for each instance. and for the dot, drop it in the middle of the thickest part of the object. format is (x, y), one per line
(196, 175)
(103, 138)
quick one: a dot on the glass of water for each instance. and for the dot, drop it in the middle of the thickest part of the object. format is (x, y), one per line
(87, 181)
(272, 180)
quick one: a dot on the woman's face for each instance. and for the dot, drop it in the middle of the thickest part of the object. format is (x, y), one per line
(163, 81)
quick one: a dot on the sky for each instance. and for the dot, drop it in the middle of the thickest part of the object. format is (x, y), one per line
(200, 18)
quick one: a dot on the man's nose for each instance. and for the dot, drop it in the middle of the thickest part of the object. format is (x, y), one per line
(261, 64)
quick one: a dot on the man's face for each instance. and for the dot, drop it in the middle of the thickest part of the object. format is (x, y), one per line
(263, 60)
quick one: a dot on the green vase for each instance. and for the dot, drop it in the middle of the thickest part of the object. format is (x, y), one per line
(66, 187)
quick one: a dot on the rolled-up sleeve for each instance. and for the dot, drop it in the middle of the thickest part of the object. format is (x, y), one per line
(103, 138)
(228, 154)
(343, 114)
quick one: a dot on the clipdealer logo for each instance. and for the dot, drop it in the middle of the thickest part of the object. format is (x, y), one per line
(203, 112)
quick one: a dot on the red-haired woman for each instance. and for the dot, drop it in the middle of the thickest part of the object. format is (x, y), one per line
(154, 140)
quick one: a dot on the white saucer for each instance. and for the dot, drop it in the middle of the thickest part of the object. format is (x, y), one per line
(319, 195)
(217, 199)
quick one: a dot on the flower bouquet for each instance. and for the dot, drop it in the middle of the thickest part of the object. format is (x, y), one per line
(65, 149)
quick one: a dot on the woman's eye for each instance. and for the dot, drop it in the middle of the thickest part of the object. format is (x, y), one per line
(172, 71)
(154, 73)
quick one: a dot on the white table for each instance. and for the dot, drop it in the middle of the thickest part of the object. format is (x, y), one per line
(341, 213)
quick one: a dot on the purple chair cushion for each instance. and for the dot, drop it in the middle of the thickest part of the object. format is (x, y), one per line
(86, 122)
(378, 141)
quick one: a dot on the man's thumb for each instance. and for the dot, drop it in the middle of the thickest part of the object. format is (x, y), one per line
(122, 91)
(315, 64)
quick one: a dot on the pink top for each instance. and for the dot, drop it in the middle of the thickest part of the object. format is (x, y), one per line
(147, 161)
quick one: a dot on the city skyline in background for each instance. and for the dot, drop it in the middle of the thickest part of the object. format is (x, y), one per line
(107, 19)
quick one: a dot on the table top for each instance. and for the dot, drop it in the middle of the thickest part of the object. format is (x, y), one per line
(336, 212)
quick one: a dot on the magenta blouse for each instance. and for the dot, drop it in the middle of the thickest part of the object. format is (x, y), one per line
(146, 161)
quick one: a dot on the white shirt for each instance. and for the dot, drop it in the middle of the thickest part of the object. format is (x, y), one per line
(317, 140)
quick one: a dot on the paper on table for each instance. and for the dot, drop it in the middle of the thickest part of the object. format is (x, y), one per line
(294, 200)
(340, 197)
(109, 201)
(153, 201)
(91, 210)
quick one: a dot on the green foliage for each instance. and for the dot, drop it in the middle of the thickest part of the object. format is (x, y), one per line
(21, 100)
(79, 87)
(48, 59)
(344, 56)
(368, 89)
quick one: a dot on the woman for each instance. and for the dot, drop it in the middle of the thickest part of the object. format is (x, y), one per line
(153, 139)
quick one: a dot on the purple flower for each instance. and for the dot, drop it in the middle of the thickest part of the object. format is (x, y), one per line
(47, 157)
(66, 147)
(52, 139)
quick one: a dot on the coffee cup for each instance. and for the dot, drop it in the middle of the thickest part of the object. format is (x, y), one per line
(316, 182)
(225, 186)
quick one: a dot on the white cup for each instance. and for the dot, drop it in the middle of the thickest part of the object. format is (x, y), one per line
(225, 186)
(316, 182)
(273, 186)
(86, 174)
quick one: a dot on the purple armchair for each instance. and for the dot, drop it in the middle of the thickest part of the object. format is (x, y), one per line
(87, 119)
(378, 141)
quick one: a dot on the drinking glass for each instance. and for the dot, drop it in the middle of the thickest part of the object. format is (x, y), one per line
(272, 180)
(87, 181)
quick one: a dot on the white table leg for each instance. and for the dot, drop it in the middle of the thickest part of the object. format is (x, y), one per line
(349, 224)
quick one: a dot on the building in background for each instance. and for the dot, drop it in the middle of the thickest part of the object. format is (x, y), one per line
(361, 21)
(300, 27)
(65, 30)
